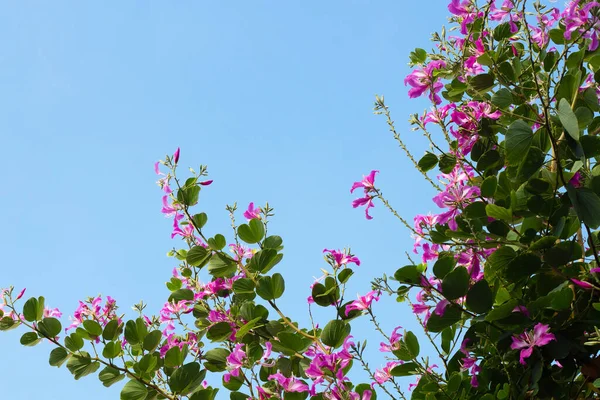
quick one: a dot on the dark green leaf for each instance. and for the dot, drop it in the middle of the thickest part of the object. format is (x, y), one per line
(82, 365)
(443, 265)
(221, 266)
(438, 323)
(482, 82)
(568, 118)
(217, 242)
(33, 310)
(219, 332)
(252, 232)
(428, 161)
(480, 297)
(412, 344)
(456, 283)
(197, 256)
(405, 369)
(586, 204)
(58, 356)
(334, 333)
(200, 220)
(152, 340)
(92, 327)
(50, 327)
(502, 98)
(30, 339)
(488, 186)
(109, 376)
(409, 274)
(498, 212)
(518, 140)
(134, 390)
(447, 163)
(271, 288)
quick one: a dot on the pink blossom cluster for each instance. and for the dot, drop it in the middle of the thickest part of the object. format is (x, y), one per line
(94, 310)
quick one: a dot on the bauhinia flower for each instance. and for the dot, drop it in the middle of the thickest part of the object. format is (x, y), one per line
(368, 184)
(526, 341)
(341, 258)
(363, 302)
(234, 362)
(384, 374)
(252, 213)
(422, 80)
(394, 341)
(291, 384)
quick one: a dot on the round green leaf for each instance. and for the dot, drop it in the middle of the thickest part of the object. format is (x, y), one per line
(456, 283)
(480, 297)
(58, 356)
(134, 390)
(335, 332)
(50, 327)
(30, 339)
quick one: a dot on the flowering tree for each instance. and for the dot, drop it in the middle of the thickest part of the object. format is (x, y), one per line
(505, 286)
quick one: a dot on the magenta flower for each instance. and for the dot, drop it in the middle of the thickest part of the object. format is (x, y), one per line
(394, 341)
(52, 312)
(527, 340)
(363, 302)
(187, 231)
(342, 257)
(251, 212)
(577, 180)
(384, 374)
(578, 18)
(582, 284)
(168, 209)
(176, 156)
(21, 293)
(455, 198)
(368, 184)
(290, 384)
(234, 362)
(422, 80)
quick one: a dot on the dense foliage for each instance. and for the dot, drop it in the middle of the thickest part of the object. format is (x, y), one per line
(506, 281)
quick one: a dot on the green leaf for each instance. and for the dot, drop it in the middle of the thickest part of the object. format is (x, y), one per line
(334, 333)
(247, 327)
(58, 356)
(502, 31)
(217, 359)
(82, 365)
(273, 242)
(221, 266)
(443, 265)
(112, 349)
(197, 256)
(252, 232)
(131, 334)
(437, 323)
(50, 327)
(480, 297)
(188, 195)
(409, 274)
(428, 161)
(152, 341)
(271, 288)
(74, 342)
(200, 220)
(518, 140)
(33, 309)
(344, 275)
(591, 145)
(109, 376)
(174, 357)
(502, 98)
(187, 378)
(482, 82)
(181, 294)
(134, 390)
(405, 369)
(264, 260)
(498, 212)
(447, 163)
(112, 330)
(30, 339)
(456, 283)
(568, 118)
(412, 343)
(219, 332)
(92, 327)
(586, 204)
(243, 286)
(502, 311)
(218, 242)
(7, 323)
(488, 186)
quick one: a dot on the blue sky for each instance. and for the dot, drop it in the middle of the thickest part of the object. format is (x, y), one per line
(275, 97)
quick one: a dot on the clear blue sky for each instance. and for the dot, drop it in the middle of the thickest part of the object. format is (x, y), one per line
(275, 97)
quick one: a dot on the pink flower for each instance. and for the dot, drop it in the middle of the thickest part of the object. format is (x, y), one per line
(21, 293)
(341, 257)
(577, 180)
(187, 231)
(176, 156)
(363, 302)
(52, 312)
(290, 384)
(383, 375)
(578, 18)
(235, 361)
(527, 340)
(455, 198)
(251, 212)
(422, 80)
(582, 284)
(168, 209)
(394, 341)
(368, 184)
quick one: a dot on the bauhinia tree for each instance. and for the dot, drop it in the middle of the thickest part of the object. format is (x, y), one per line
(505, 277)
